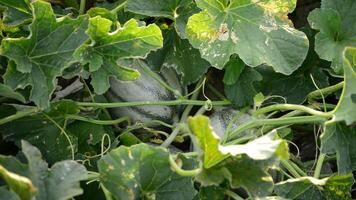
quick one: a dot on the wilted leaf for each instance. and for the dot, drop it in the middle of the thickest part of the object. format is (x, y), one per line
(261, 148)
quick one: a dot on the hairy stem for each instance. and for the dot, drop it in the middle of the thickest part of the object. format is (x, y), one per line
(152, 103)
(319, 165)
(82, 7)
(292, 107)
(278, 122)
(172, 136)
(119, 8)
(19, 114)
(233, 195)
(195, 95)
(153, 75)
(290, 168)
(95, 121)
(325, 91)
(183, 172)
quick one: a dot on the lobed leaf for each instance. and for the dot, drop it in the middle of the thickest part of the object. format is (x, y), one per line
(335, 21)
(16, 11)
(41, 57)
(106, 48)
(344, 111)
(258, 31)
(60, 182)
(142, 171)
(261, 148)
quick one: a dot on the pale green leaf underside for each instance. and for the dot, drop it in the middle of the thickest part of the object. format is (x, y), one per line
(257, 31)
(259, 149)
(21, 185)
(345, 109)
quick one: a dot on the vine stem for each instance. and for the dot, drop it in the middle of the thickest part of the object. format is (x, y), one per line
(187, 110)
(119, 7)
(183, 172)
(233, 195)
(82, 7)
(19, 114)
(148, 71)
(95, 121)
(290, 168)
(62, 132)
(279, 121)
(319, 165)
(292, 107)
(325, 91)
(152, 103)
(172, 136)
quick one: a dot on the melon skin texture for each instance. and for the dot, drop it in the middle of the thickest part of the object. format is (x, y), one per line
(222, 116)
(145, 88)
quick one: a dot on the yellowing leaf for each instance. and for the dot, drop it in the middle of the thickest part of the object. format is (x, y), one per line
(213, 152)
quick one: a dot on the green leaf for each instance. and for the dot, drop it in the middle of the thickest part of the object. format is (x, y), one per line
(346, 106)
(128, 41)
(207, 140)
(338, 138)
(22, 186)
(8, 92)
(213, 153)
(17, 11)
(44, 54)
(241, 171)
(177, 53)
(337, 30)
(142, 171)
(295, 87)
(336, 187)
(252, 175)
(7, 195)
(43, 133)
(258, 31)
(88, 135)
(211, 193)
(178, 11)
(60, 182)
(242, 92)
(102, 12)
(233, 70)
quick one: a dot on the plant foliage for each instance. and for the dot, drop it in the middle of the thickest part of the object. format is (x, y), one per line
(261, 97)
